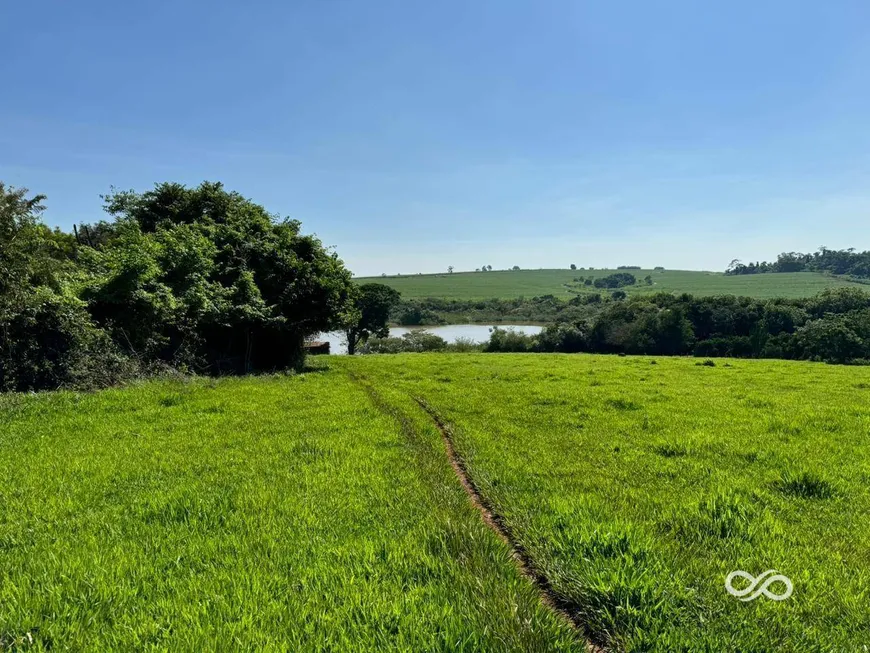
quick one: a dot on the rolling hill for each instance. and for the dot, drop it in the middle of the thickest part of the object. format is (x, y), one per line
(530, 283)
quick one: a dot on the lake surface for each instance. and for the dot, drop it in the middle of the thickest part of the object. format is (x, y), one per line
(450, 332)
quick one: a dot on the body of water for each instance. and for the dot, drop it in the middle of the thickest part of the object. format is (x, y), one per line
(450, 332)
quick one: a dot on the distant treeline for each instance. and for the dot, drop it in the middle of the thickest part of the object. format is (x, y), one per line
(834, 261)
(433, 311)
(833, 326)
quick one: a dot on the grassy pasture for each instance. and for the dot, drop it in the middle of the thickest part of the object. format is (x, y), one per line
(319, 512)
(279, 514)
(531, 283)
(638, 484)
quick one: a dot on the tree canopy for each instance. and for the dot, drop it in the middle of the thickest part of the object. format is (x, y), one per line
(834, 261)
(369, 316)
(198, 278)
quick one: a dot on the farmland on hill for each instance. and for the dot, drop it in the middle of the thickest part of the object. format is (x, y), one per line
(320, 511)
(530, 283)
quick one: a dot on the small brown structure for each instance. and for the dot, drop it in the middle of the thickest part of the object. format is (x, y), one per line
(317, 347)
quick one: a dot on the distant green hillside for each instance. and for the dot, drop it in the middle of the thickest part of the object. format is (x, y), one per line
(530, 283)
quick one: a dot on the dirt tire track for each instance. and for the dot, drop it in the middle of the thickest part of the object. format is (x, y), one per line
(565, 609)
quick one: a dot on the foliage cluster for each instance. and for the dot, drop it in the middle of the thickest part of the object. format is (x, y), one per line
(616, 280)
(418, 341)
(195, 278)
(432, 311)
(834, 261)
(833, 326)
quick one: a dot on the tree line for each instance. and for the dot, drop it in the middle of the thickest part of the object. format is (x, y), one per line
(833, 326)
(834, 261)
(195, 279)
(432, 311)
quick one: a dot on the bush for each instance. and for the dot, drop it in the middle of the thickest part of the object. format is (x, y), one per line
(423, 341)
(197, 278)
(733, 346)
(830, 340)
(565, 338)
(509, 340)
(389, 345)
(207, 278)
(411, 342)
(464, 345)
(49, 342)
(617, 280)
(413, 314)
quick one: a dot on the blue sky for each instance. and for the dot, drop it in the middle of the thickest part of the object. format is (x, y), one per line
(416, 135)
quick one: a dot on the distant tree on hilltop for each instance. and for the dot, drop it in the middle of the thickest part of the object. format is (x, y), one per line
(616, 280)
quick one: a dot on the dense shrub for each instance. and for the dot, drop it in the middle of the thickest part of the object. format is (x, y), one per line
(413, 313)
(422, 341)
(616, 280)
(207, 278)
(417, 341)
(388, 345)
(464, 345)
(510, 340)
(566, 338)
(830, 339)
(200, 278)
(49, 341)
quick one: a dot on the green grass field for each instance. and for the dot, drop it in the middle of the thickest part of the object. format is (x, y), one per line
(286, 514)
(320, 512)
(531, 283)
(638, 487)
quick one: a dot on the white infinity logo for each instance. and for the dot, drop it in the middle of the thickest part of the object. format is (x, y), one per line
(755, 581)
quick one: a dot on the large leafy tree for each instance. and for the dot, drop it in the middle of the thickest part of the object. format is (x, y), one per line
(31, 254)
(369, 316)
(47, 338)
(206, 277)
